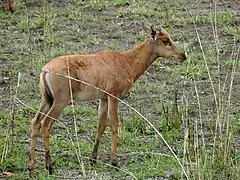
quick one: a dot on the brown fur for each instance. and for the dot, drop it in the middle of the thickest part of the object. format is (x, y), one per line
(111, 71)
(10, 5)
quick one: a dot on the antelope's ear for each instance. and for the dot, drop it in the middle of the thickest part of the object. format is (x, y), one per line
(150, 31)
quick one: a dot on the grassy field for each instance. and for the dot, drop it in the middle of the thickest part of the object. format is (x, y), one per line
(194, 105)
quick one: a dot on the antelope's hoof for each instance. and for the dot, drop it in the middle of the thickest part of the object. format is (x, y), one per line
(31, 173)
(93, 160)
(115, 162)
(50, 169)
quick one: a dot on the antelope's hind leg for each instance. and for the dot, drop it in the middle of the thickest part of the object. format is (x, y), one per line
(102, 113)
(46, 126)
(35, 127)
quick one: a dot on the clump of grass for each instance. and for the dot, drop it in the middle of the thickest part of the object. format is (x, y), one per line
(98, 5)
(135, 125)
(172, 115)
(231, 31)
(212, 160)
(26, 24)
(122, 2)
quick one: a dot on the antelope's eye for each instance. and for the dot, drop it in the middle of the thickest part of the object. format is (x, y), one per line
(166, 41)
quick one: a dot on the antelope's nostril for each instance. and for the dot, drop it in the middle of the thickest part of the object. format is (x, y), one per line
(184, 57)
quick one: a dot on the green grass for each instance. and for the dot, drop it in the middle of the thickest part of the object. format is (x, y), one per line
(177, 99)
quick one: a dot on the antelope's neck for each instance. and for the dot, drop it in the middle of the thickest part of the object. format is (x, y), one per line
(140, 58)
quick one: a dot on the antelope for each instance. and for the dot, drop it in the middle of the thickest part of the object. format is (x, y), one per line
(111, 71)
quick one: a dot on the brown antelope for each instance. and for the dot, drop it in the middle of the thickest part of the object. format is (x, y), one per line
(114, 72)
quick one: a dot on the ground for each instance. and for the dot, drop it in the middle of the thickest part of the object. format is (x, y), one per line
(194, 105)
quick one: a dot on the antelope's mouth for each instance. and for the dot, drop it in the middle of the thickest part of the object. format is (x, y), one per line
(183, 57)
(174, 60)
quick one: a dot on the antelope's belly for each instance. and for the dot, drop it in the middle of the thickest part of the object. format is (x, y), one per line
(88, 96)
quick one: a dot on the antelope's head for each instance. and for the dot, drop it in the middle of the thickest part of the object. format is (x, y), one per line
(163, 45)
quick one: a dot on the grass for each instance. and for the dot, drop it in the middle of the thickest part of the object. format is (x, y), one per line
(194, 105)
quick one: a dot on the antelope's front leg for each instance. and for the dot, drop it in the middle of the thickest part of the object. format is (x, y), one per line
(102, 112)
(113, 119)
